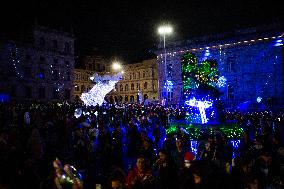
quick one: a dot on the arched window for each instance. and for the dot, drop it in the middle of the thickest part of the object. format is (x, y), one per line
(41, 42)
(145, 96)
(131, 98)
(126, 87)
(121, 87)
(145, 85)
(67, 47)
(82, 88)
(132, 86)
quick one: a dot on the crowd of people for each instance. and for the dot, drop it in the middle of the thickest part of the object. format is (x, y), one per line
(126, 146)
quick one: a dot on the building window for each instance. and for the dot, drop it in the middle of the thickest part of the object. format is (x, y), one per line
(145, 96)
(144, 74)
(116, 87)
(229, 66)
(138, 75)
(41, 74)
(230, 94)
(130, 77)
(41, 92)
(126, 98)
(55, 75)
(28, 57)
(55, 93)
(67, 48)
(27, 72)
(41, 42)
(67, 94)
(170, 96)
(54, 44)
(169, 70)
(28, 92)
(131, 98)
(121, 87)
(68, 76)
(126, 87)
(134, 76)
(132, 86)
(145, 85)
(77, 88)
(138, 86)
(67, 63)
(82, 88)
(13, 91)
(42, 59)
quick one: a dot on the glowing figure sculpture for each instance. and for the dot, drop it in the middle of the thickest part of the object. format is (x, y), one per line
(103, 85)
(201, 105)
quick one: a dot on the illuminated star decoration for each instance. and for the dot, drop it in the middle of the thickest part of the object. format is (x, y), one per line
(103, 85)
(201, 105)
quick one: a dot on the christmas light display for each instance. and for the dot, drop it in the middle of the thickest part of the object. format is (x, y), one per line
(200, 82)
(244, 42)
(103, 85)
(232, 131)
(201, 105)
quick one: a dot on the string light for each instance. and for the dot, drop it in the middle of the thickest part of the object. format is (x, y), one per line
(247, 42)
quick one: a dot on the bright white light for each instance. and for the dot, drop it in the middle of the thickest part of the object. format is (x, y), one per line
(104, 84)
(168, 85)
(201, 105)
(78, 112)
(258, 99)
(166, 29)
(116, 66)
(221, 82)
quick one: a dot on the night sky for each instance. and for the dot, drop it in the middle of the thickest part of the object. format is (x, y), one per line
(127, 29)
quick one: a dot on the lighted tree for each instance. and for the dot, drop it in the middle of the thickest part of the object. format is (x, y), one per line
(200, 82)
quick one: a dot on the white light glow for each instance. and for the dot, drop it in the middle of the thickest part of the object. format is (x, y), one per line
(201, 105)
(104, 84)
(221, 82)
(116, 66)
(166, 29)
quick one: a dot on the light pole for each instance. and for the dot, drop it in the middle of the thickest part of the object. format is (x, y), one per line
(165, 30)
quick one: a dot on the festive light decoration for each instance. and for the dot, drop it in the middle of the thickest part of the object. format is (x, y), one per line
(258, 99)
(222, 81)
(103, 85)
(168, 85)
(78, 112)
(229, 130)
(279, 42)
(194, 146)
(236, 143)
(140, 96)
(244, 42)
(201, 105)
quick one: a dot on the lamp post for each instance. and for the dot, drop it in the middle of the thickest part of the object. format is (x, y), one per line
(165, 30)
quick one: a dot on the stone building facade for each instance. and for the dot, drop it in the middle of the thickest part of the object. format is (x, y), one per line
(251, 60)
(89, 66)
(141, 76)
(38, 66)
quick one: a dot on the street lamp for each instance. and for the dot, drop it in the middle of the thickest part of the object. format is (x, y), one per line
(116, 66)
(165, 30)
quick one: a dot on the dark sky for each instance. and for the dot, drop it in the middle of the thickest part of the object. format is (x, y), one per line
(127, 28)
